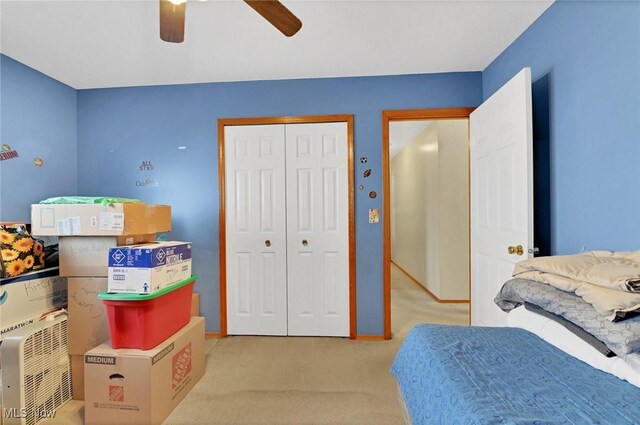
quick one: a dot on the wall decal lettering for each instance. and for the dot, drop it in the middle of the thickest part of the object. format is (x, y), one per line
(147, 183)
(8, 153)
(146, 166)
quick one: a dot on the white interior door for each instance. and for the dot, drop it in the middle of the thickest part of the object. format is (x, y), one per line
(501, 144)
(318, 229)
(255, 230)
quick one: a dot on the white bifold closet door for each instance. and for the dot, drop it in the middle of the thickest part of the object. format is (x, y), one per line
(255, 230)
(287, 231)
(317, 229)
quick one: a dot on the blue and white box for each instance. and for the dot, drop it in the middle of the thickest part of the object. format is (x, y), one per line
(148, 267)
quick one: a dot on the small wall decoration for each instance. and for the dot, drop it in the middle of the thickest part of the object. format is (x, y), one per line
(374, 215)
(146, 166)
(363, 159)
(38, 162)
(367, 173)
(373, 194)
(8, 153)
(148, 183)
(361, 187)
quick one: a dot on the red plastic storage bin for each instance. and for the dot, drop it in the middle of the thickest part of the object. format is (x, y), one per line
(145, 320)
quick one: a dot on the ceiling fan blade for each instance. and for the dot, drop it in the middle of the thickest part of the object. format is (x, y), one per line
(278, 15)
(172, 21)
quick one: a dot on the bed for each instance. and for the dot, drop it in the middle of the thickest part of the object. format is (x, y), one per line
(482, 375)
(570, 353)
(567, 356)
(624, 367)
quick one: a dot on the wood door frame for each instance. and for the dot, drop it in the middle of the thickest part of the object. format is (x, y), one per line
(387, 117)
(308, 119)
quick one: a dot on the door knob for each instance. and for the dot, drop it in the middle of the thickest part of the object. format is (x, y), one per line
(304, 242)
(267, 243)
(516, 250)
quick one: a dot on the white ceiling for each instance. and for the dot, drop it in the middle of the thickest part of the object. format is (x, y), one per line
(110, 43)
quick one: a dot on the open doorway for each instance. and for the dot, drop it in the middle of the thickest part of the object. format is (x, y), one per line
(426, 217)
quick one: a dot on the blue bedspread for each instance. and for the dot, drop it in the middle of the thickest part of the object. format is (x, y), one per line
(473, 375)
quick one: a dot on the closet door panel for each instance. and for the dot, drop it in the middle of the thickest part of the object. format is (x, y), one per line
(255, 230)
(318, 231)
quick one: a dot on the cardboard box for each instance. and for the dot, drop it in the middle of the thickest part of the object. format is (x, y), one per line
(195, 304)
(146, 268)
(88, 324)
(98, 220)
(88, 255)
(128, 386)
(77, 376)
(25, 298)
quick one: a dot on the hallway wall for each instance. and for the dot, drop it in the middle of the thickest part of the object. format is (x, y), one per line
(430, 209)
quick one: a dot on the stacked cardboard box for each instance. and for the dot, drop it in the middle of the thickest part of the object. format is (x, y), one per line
(149, 287)
(146, 268)
(99, 220)
(127, 386)
(142, 387)
(86, 233)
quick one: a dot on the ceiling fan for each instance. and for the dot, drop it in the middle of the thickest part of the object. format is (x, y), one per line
(172, 18)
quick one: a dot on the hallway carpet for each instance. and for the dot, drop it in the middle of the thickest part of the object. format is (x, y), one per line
(306, 380)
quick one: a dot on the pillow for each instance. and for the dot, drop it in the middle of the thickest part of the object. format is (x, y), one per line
(575, 329)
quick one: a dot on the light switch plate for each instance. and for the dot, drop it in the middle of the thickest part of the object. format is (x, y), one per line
(374, 215)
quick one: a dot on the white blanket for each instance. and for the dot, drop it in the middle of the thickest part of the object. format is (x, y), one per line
(610, 281)
(611, 270)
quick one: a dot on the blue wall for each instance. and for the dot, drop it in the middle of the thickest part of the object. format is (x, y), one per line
(38, 119)
(585, 61)
(120, 128)
(590, 54)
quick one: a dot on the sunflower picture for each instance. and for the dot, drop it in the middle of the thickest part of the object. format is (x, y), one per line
(9, 254)
(15, 267)
(19, 252)
(6, 237)
(28, 262)
(23, 244)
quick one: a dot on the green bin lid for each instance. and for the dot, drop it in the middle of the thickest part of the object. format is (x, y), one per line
(117, 296)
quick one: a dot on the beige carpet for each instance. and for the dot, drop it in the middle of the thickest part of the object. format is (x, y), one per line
(298, 380)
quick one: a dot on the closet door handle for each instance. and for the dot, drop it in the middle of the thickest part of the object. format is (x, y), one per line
(267, 243)
(305, 242)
